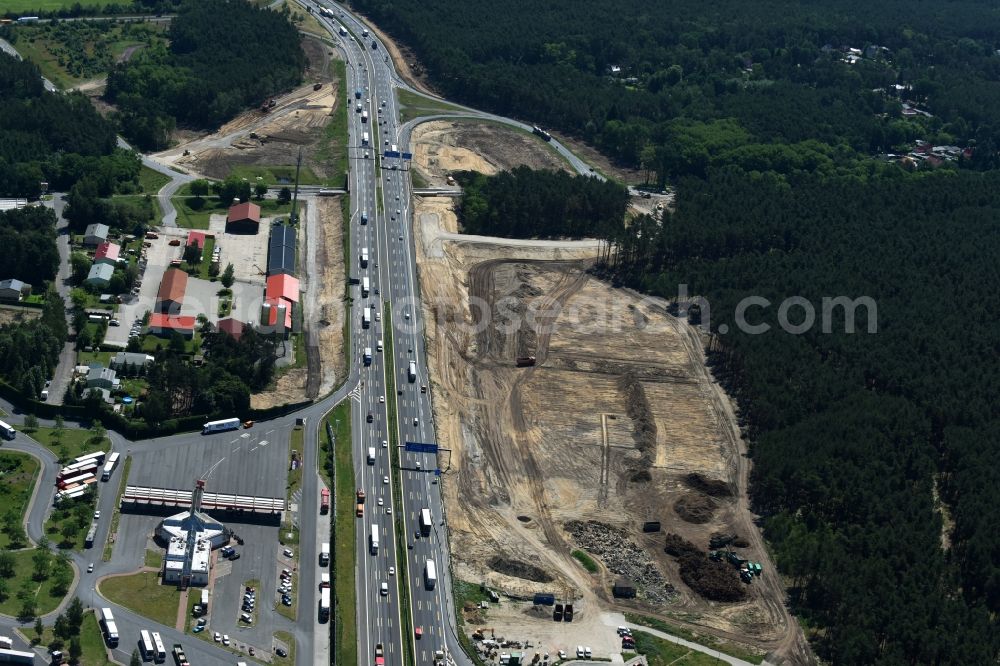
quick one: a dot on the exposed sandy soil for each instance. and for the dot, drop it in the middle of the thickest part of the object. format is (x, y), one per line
(441, 147)
(534, 448)
(323, 311)
(328, 317)
(295, 122)
(13, 314)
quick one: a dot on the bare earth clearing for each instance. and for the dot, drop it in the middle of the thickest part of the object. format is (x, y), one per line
(296, 121)
(536, 449)
(444, 146)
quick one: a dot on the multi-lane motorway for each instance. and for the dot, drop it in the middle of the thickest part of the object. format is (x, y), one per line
(380, 192)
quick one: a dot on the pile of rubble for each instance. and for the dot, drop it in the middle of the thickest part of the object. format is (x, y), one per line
(623, 557)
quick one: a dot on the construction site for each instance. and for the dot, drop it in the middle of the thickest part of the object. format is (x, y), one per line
(582, 426)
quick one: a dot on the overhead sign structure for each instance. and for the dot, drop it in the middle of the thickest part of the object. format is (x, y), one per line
(417, 447)
(407, 156)
(391, 153)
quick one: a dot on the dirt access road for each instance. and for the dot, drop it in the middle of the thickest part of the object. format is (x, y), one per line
(534, 450)
(296, 121)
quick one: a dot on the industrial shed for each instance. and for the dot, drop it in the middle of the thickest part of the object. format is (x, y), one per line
(281, 250)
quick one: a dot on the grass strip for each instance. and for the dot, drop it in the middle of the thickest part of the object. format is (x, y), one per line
(403, 569)
(342, 565)
(117, 515)
(737, 650)
(586, 560)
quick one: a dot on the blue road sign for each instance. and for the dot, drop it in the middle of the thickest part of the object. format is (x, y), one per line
(407, 156)
(417, 447)
(391, 153)
(437, 472)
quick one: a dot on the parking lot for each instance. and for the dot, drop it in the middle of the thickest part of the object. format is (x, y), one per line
(242, 462)
(158, 257)
(247, 253)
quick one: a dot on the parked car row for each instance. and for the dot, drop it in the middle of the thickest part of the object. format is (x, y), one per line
(285, 587)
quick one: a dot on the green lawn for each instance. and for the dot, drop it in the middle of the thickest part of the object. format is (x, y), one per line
(18, 471)
(191, 216)
(289, 640)
(69, 522)
(467, 593)
(22, 584)
(206, 260)
(342, 566)
(276, 175)
(69, 442)
(91, 641)
(143, 594)
(151, 181)
(153, 559)
(126, 465)
(333, 147)
(739, 651)
(102, 357)
(660, 652)
(413, 105)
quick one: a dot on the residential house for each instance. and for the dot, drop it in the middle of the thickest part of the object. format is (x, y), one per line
(124, 360)
(101, 377)
(243, 218)
(100, 275)
(95, 234)
(107, 253)
(11, 290)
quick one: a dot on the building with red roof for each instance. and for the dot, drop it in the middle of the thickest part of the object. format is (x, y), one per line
(171, 293)
(243, 218)
(107, 253)
(196, 238)
(232, 327)
(165, 325)
(276, 317)
(282, 285)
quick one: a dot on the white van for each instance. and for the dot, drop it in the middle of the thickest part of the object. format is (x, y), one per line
(384, 589)
(246, 618)
(379, 345)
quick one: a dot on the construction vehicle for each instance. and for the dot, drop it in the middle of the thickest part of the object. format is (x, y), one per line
(557, 613)
(317, 86)
(524, 361)
(324, 501)
(450, 180)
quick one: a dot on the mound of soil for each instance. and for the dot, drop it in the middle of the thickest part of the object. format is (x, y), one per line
(715, 581)
(678, 546)
(695, 508)
(703, 484)
(541, 612)
(519, 569)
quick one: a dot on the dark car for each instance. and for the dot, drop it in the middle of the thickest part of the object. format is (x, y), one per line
(281, 652)
(234, 557)
(370, 417)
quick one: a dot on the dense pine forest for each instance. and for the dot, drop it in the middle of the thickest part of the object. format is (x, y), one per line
(46, 137)
(223, 56)
(780, 125)
(679, 86)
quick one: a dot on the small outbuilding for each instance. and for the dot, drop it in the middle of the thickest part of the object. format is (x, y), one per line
(243, 218)
(623, 589)
(231, 327)
(95, 234)
(130, 360)
(11, 290)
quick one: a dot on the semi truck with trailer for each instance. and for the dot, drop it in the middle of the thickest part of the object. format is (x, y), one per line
(324, 604)
(324, 554)
(221, 425)
(368, 355)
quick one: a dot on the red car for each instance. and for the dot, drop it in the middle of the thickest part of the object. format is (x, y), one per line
(419, 631)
